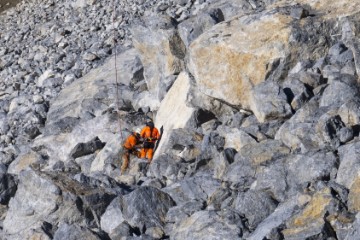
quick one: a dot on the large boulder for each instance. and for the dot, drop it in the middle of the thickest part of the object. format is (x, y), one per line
(232, 57)
(66, 146)
(112, 218)
(162, 52)
(168, 116)
(34, 202)
(49, 198)
(146, 207)
(93, 93)
(130, 69)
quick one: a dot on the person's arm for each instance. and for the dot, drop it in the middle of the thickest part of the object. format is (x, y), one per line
(157, 134)
(142, 133)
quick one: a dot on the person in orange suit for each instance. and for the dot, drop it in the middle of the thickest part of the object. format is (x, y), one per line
(150, 134)
(130, 147)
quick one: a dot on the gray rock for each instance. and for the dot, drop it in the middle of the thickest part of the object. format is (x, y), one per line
(4, 126)
(120, 231)
(299, 133)
(73, 232)
(349, 112)
(346, 134)
(338, 93)
(349, 162)
(155, 232)
(265, 151)
(52, 82)
(130, 68)
(255, 205)
(208, 225)
(272, 179)
(310, 167)
(281, 214)
(37, 205)
(353, 233)
(297, 93)
(236, 138)
(195, 188)
(113, 217)
(268, 102)
(298, 12)
(165, 166)
(180, 212)
(349, 68)
(233, 8)
(329, 71)
(8, 187)
(87, 148)
(184, 143)
(146, 207)
(328, 128)
(32, 131)
(240, 174)
(90, 56)
(6, 157)
(159, 62)
(191, 28)
(221, 164)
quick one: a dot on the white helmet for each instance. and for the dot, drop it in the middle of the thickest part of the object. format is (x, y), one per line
(138, 130)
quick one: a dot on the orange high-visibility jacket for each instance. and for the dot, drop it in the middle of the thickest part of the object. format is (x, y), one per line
(148, 135)
(130, 142)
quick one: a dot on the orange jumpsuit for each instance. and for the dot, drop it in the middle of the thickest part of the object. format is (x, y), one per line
(150, 137)
(129, 147)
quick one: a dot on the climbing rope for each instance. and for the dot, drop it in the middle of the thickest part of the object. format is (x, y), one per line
(115, 65)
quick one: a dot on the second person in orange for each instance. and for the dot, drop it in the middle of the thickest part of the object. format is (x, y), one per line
(150, 135)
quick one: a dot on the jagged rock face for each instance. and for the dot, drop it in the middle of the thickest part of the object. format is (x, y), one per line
(258, 102)
(234, 56)
(227, 61)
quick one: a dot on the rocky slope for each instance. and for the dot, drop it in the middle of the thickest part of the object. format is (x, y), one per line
(258, 102)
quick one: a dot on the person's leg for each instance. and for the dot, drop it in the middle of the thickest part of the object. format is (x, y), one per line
(137, 153)
(125, 161)
(143, 153)
(150, 153)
